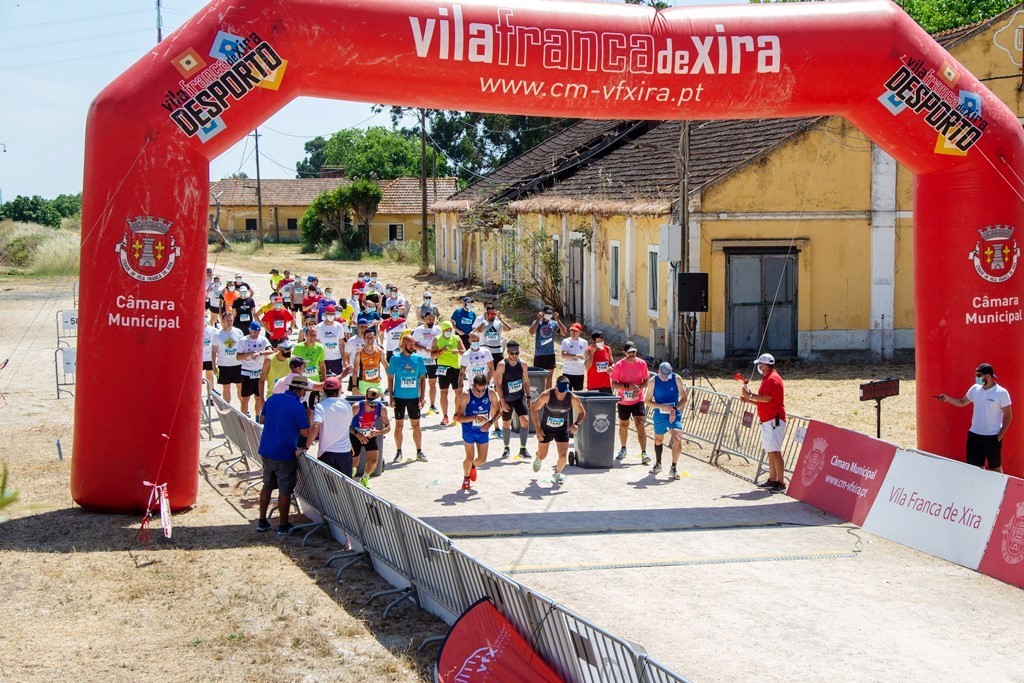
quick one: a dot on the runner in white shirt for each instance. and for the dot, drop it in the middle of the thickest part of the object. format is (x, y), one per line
(492, 328)
(224, 352)
(395, 299)
(574, 354)
(209, 332)
(252, 351)
(475, 362)
(332, 334)
(213, 299)
(353, 346)
(332, 418)
(424, 336)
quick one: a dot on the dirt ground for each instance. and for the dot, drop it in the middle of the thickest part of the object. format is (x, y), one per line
(221, 602)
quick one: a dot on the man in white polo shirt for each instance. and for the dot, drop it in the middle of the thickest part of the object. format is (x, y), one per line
(991, 418)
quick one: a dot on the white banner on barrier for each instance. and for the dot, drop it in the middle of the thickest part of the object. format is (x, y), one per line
(68, 358)
(938, 506)
(69, 320)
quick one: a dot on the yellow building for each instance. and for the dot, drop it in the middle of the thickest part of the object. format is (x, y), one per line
(804, 226)
(398, 218)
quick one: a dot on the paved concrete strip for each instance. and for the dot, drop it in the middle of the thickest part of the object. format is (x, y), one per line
(593, 531)
(552, 568)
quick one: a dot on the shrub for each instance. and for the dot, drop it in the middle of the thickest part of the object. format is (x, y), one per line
(402, 252)
(58, 254)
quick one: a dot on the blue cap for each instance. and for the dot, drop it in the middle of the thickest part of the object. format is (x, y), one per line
(253, 326)
(363, 319)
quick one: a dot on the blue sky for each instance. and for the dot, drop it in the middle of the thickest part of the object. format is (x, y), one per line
(56, 55)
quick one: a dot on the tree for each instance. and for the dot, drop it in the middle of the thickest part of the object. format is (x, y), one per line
(33, 209)
(376, 152)
(363, 199)
(310, 166)
(941, 15)
(68, 205)
(237, 175)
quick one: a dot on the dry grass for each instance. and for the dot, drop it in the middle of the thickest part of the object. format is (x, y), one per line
(32, 249)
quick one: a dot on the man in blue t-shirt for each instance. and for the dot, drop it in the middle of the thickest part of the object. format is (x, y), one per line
(407, 392)
(464, 319)
(370, 318)
(285, 427)
(543, 330)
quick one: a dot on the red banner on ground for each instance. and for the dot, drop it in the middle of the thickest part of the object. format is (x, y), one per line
(840, 472)
(484, 646)
(1004, 555)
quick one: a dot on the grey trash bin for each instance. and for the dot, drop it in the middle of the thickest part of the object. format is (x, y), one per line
(595, 438)
(538, 376)
(361, 464)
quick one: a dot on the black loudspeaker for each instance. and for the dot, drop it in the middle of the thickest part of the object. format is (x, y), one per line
(693, 292)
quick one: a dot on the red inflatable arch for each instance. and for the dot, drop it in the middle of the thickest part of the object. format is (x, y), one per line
(152, 133)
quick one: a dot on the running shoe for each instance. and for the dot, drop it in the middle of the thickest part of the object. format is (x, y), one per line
(263, 525)
(506, 453)
(444, 421)
(645, 459)
(354, 470)
(398, 456)
(432, 410)
(673, 473)
(284, 529)
(497, 432)
(766, 484)
(537, 464)
(523, 454)
(421, 456)
(559, 478)
(472, 473)
(622, 454)
(365, 481)
(778, 488)
(465, 483)
(656, 469)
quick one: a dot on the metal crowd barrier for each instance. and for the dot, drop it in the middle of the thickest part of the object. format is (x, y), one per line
(703, 416)
(65, 360)
(67, 326)
(796, 428)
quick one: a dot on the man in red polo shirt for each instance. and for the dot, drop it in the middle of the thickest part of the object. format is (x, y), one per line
(357, 289)
(771, 412)
(278, 322)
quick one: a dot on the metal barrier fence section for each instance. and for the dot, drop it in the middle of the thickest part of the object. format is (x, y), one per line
(703, 417)
(65, 359)
(67, 326)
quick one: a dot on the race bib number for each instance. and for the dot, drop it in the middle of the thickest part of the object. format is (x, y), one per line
(278, 324)
(515, 386)
(441, 371)
(408, 383)
(245, 317)
(371, 374)
(312, 371)
(252, 374)
(230, 352)
(629, 395)
(475, 370)
(431, 362)
(491, 335)
(555, 422)
(602, 366)
(333, 345)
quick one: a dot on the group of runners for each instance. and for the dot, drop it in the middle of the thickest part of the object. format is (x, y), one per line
(383, 345)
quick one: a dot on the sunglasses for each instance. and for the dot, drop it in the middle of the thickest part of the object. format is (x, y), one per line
(513, 353)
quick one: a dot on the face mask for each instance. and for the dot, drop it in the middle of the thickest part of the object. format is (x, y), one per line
(231, 287)
(447, 334)
(243, 293)
(426, 300)
(366, 279)
(278, 306)
(465, 307)
(980, 381)
(238, 281)
(373, 279)
(599, 345)
(394, 314)
(327, 294)
(548, 316)
(759, 370)
(474, 345)
(563, 387)
(329, 318)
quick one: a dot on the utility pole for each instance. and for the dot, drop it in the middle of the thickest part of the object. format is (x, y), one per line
(259, 193)
(684, 256)
(159, 23)
(424, 253)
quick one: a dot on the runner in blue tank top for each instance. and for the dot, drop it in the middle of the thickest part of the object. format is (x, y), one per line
(476, 409)
(667, 396)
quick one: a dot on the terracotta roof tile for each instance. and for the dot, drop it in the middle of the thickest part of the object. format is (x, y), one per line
(401, 195)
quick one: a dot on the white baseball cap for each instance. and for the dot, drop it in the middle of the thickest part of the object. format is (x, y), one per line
(766, 359)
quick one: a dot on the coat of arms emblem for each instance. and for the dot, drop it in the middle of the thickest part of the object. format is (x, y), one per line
(1013, 537)
(147, 250)
(996, 253)
(815, 462)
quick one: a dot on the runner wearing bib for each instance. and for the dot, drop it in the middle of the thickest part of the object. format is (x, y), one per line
(475, 362)
(543, 330)
(369, 422)
(391, 329)
(513, 385)
(277, 322)
(447, 353)
(598, 363)
(245, 310)
(553, 413)
(492, 328)
(213, 300)
(476, 409)
(313, 352)
(409, 372)
(424, 336)
(666, 395)
(370, 365)
(332, 334)
(574, 353)
(629, 377)
(352, 347)
(276, 366)
(251, 352)
(224, 352)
